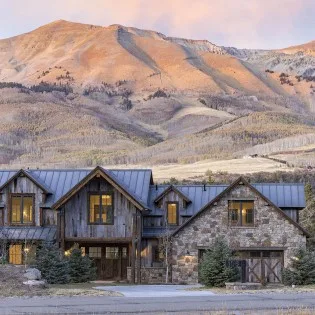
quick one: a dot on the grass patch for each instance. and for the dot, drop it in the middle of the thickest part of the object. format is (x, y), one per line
(266, 289)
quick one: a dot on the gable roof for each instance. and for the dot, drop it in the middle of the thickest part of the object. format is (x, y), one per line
(229, 188)
(113, 179)
(13, 175)
(167, 190)
(58, 182)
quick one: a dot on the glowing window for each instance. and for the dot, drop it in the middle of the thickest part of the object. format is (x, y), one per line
(172, 215)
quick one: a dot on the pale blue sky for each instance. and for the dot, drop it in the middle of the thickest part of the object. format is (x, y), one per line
(240, 23)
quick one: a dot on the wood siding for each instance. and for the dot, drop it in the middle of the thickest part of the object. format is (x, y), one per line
(158, 221)
(76, 214)
(23, 185)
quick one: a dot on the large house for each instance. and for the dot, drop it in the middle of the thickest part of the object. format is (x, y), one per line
(118, 218)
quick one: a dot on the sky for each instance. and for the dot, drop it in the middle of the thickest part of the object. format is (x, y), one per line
(263, 24)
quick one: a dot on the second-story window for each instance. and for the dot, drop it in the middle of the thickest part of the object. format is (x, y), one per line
(172, 213)
(22, 209)
(241, 213)
(101, 209)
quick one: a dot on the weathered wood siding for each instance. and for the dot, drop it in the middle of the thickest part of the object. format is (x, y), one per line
(76, 214)
(23, 185)
(158, 221)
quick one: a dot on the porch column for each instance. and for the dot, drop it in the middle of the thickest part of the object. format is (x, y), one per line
(138, 258)
(133, 248)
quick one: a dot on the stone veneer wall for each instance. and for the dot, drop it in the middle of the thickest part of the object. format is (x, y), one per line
(271, 230)
(150, 275)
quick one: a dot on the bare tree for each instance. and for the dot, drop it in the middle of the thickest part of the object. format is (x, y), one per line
(165, 248)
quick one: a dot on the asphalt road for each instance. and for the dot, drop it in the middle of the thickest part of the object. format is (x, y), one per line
(254, 303)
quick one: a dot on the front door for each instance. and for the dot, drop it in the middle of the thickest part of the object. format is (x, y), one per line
(111, 261)
(115, 262)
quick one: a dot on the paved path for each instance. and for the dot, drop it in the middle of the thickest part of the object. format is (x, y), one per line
(256, 303)
(156, 290)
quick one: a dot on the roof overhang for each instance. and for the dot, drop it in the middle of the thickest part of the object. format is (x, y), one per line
(167, 190)
(30, 177)
(99, 172)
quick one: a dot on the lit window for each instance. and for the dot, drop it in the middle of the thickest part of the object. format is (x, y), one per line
(15, 254)
(241, 213)
(82, 251)
(21, 209)
(95, 252)
(172, 209)
(101, 209)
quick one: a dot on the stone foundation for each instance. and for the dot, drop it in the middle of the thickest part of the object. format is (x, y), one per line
(150, 275)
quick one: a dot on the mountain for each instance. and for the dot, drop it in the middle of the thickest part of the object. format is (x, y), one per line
(73, 94)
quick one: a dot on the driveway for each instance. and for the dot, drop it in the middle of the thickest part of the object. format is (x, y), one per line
(255, 303)
(156, 290)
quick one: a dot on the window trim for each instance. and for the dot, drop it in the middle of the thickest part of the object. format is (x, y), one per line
(177, 212)
(21, 223)
(240, 220)
(100, 193)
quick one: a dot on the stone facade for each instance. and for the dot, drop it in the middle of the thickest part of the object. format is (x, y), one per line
(150, 275)
(271, 230)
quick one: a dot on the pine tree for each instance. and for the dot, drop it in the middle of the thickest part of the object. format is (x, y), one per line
(216, 268)
(301, 270)
(53, 266)
(81, 268)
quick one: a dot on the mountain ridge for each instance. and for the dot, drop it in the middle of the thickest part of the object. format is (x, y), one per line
(126, 95)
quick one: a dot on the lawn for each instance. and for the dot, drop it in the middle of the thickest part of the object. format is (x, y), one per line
(11, 284)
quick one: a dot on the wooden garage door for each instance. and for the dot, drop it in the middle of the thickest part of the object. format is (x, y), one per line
(264, 267)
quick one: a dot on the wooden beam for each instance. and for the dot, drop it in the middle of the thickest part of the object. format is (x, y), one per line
(111, 240)
(133, 248)
(138, 258)
(62, 230)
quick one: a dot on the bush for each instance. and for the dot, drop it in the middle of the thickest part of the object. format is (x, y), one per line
(53, 266)
(216, 268)
(302, 269)
(81, 268)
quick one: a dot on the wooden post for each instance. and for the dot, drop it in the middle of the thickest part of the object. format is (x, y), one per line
(62, 230)
(133, 248)
(138, 263)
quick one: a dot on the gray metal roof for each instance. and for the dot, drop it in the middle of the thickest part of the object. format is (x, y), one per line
(29, 233)
(60, 182)
(5, 176)
(196, 193)
(283, 195)
(137, 182)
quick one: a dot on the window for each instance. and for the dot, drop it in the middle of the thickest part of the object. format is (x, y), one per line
(112, 253)
(95, 252)
(157, 254)
(15, 254)
(101, 209)
(22, 209)
(172, 213)
(241, 213)
(83, 252)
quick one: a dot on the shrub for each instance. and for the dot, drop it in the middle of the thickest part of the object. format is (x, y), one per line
(216, 268)
(53, 266)
(301, 270)
(81, 268)
(158, 93)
